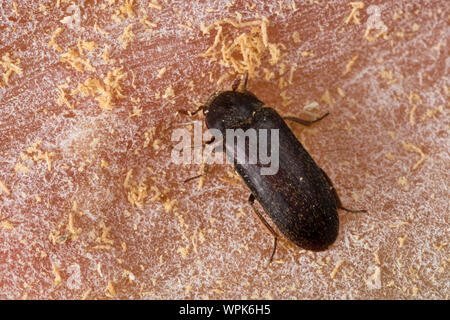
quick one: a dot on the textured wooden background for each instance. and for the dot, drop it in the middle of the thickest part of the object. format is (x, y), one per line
(91, 207)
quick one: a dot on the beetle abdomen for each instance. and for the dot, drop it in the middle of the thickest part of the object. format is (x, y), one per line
(298, 197)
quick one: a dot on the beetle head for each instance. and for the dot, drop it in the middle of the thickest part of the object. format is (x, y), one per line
(225, 109)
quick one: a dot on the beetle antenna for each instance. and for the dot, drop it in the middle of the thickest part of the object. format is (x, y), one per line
(190, 113)
(238, 86)
(236, 83)
(245, 80)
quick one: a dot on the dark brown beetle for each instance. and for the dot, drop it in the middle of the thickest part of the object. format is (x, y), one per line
(300, 198)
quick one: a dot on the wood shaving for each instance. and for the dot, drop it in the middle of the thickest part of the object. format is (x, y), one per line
(149, 135)
(57, 274)
(20, 167)
(402, 181)
(412, 120)
(238, 25)
(52, 43)
(127, 36)
(350, 64)
(126, 9)
(161, 72)
(386, 74)
(73, 21)
(137, 194)
(230, 181)
(137, 112)
(432, 113)
(128, 274)
(104, 92)
(154, 4)
(374, 281)
(62, 98)
(185, 26)
(169, 205)
(311, 106)
(43, 9)
(35, 154)
(105, 55)
(104, 164)
(16, 11)
(376, 257)
(99, 30)
(10, 67)
(4, 188)
(85, 45)
(85, 294)
(375, 23)
(71, 227)
(265, 37)
(327, 99)
(355, 196)
(111, 291)
(99, 269)
(341, 92)
(414, 98)
(6, 224)
(127, 179)
(401, 241)
(395, 226)
(183, 251)
(246, 51)
(296, 37)
(423, 156)
(291, 73)
(104, 236)
(354, 15)
(78, 63)
(275, 53)
(144, 20)
(169, 93)
(336, 268)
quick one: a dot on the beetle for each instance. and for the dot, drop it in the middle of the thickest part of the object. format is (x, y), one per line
(300, 198)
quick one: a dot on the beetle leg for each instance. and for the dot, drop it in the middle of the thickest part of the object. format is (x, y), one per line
(204, 173)
(336, 196)
(251, 201)
(353, 211)
(200, 146)
(305, 122)
(196, 177)
(219, 148)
